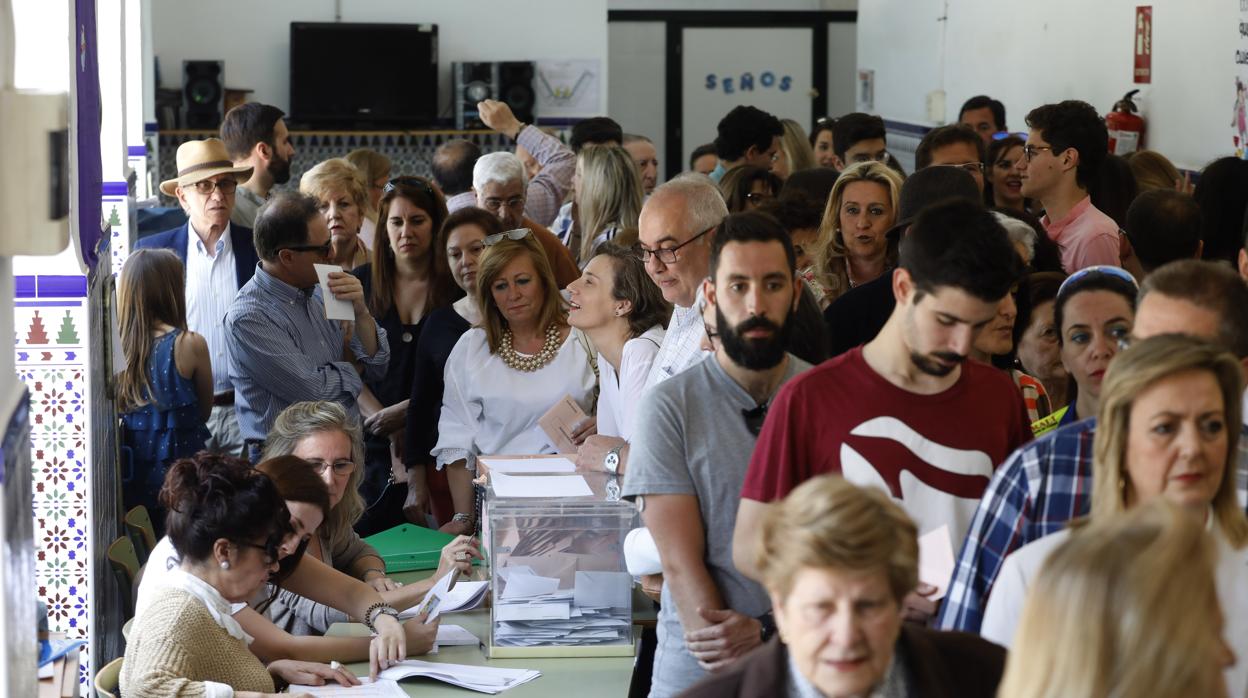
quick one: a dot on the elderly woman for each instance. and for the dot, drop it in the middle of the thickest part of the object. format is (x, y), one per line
(608, 192)
(502, 376)
(1036, 335)
(837, 560)
(1167, 429)
(853, 247)
(343, 195)
(405, 281)
(462, 237)
(228, 523)
(1147, 579)
(323, 434)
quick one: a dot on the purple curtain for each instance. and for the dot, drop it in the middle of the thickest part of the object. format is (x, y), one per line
(87, 105)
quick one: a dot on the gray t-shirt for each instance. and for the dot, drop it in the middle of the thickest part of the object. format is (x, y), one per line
(691, 438)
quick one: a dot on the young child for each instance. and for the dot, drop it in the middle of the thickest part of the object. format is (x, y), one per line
(164, 395)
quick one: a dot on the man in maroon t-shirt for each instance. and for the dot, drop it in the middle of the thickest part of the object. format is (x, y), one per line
(907, 412)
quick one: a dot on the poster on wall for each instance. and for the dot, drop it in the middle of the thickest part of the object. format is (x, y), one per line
(568, 89)
(1239, 116)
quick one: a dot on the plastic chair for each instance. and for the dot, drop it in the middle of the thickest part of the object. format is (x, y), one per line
(107, 678)
(125, 565)
(142, 533)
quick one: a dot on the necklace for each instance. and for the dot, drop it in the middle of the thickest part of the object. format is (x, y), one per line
(528, 364)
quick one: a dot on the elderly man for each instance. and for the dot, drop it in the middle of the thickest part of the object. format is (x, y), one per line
(283, 348)
(500, 182)
(552, 161)
(646, 157)
(256, 137)
(219, 258)
(452, 171)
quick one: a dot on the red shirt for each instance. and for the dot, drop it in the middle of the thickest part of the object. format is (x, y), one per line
(932, 453)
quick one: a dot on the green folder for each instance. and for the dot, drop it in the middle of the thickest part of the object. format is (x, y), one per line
(409, 547)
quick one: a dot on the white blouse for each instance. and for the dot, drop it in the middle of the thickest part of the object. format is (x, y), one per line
(1004, 610)
(620, 393)
(490, 408)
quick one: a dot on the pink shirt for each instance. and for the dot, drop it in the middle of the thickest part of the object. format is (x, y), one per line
(1087, 237)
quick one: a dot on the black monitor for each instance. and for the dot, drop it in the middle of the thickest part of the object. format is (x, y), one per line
(363, 75)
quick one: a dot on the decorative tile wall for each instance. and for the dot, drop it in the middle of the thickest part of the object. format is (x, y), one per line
(52, 353)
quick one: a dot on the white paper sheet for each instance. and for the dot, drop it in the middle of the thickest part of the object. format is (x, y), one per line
(544, 486)
(520, 586)
(455, 635)
(529, 465)
(464, 596)
(936, 560)
(477, 678)
(603, 589)
(381, 688)
(436, 597)
(534, 611)
(335, 308)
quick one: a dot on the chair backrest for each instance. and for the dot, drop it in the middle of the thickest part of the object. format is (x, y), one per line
(125, 564)
(107, 678)
(139, 526)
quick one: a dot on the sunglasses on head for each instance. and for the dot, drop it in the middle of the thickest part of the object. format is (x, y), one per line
(407, 180)
(517, 234)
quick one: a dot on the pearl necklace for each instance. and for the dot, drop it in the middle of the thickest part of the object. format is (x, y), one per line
(529, 364)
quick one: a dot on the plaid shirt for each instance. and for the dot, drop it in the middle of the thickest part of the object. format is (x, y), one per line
(1037, 491)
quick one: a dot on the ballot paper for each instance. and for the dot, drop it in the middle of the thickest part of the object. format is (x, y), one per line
(533, 610)
(528, 585)
(936, 560)
(527, 465)
(381, 688)
(561, 421)
(464, 596)
(544, 486)
(335, 308)
(434, 599)
(455, 636)
(476, 678)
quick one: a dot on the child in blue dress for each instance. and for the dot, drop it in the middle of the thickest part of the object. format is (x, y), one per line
(164, 395)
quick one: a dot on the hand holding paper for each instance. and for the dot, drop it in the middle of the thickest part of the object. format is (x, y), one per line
(335, 308)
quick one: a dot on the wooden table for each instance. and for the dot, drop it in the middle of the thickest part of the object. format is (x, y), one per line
(597, 676)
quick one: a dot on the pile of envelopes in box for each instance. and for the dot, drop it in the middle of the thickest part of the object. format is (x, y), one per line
(532, 610)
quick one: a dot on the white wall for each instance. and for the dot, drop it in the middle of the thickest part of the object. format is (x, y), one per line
(637, 64)
(1028, 53)
(253, 36)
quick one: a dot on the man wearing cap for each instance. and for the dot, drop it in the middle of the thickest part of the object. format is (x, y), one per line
(256, 136)
(857, 316)
(219, 258)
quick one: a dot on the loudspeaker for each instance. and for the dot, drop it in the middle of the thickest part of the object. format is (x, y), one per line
(510, 82)
(203, 87)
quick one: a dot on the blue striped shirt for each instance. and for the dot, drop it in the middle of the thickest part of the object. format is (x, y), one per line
(283, 350)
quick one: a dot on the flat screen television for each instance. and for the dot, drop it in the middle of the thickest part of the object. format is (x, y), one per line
(345, 75)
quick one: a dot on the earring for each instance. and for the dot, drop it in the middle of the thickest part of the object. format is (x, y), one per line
(225, 564)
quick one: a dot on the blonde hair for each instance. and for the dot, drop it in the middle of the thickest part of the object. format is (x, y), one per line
(796, 146)
(303, 419)
(831, 263)
(151, 290)
(610, 194)
(1132, 372)
(337, 174)
(1152, 170)
(829, 522)
(1101, 618)
(373, 165)
(493, 260)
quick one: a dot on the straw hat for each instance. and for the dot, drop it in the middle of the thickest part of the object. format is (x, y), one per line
(200, 160)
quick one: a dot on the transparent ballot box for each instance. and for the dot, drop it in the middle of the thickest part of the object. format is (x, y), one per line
(555, 547)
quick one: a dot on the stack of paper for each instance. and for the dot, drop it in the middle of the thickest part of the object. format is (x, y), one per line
(476, 678)
(381, 688)
(533, 611)
(464, 596)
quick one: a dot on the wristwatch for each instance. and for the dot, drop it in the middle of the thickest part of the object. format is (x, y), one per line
(611, 461)
(768, 623)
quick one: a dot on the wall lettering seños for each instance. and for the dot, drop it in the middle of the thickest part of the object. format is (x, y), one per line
(746, 82)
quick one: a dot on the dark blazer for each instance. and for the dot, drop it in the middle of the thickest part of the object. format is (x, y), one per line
(941, 665)
(245, 257)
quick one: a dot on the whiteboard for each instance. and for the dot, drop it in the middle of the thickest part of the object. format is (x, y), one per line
(766, 67)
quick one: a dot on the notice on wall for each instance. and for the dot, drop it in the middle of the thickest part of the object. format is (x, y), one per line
(1143, 44)
(568, 89)
(1239, 116)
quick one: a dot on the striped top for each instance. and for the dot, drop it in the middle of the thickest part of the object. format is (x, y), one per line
(211, 284)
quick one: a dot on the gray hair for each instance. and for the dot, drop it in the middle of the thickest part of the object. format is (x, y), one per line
(636, 138)
(501, 167)
(1019, 232)
(303, 419)
(704, 205)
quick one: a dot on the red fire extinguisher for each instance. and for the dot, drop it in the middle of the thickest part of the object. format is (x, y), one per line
(1126, 127)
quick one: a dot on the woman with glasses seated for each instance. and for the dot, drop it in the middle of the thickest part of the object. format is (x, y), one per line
(746, 187)
(1094, 312)
(405, 281)
(343, 195)
(853, 246)
(229, 526)
(323, 434)
(307, 500)
(608, 193)
(503, 375)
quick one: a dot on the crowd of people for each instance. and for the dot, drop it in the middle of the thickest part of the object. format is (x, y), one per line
(796, 357)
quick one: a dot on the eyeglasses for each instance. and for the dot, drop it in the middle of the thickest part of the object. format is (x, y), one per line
(493, 205)
(270, 551)
(1101, 270)
(320, 250)
(517, 234)
(341, 468)
(1029, 151)
(971, 167)
(710, 331)
(755, 417)
(881, 156)
(666, 255)
(418, 182)
(206, 186)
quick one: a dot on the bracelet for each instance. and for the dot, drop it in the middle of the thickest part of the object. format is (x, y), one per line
(374, 569)
(461, 517)
(381, 608)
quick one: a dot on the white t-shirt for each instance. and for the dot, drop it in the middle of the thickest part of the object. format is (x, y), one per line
(620, 393)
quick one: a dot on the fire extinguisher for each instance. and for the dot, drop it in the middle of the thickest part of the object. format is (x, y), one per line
(1126, 127)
